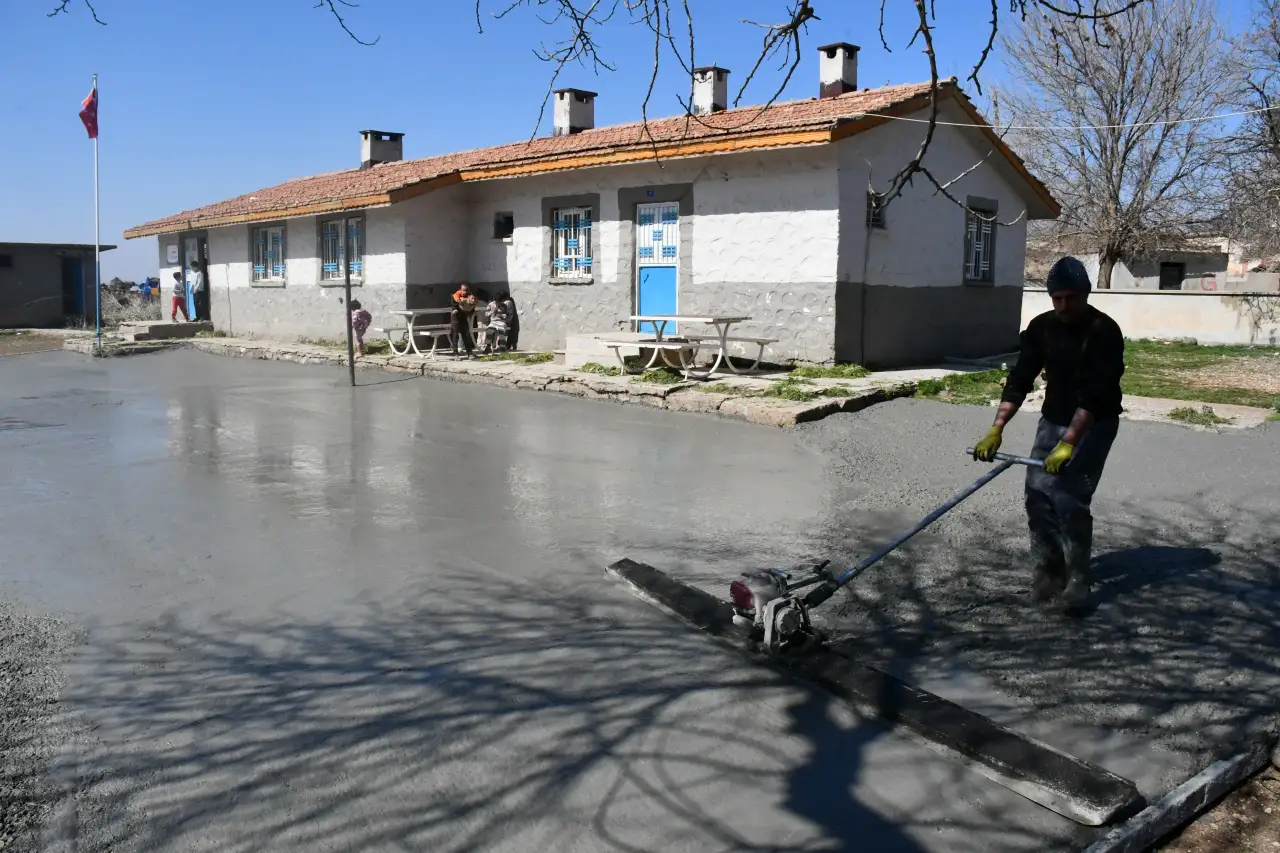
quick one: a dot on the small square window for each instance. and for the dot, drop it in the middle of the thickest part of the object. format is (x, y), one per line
(504, 225)
(875, 210)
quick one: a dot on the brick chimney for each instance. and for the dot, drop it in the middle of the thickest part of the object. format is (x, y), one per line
(575, 111)
(380, 146)
(710, 90)
(837, 69)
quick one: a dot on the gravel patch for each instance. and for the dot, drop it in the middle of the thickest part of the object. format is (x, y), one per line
(18, 343)
(32, 649)
(1255, 374)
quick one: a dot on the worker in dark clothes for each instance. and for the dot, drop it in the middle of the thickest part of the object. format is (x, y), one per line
(1081, 351)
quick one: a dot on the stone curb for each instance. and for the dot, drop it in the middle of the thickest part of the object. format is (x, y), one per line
(1184, 803)
(677, 397)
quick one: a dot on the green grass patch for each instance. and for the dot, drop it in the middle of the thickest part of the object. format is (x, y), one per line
(599, 369)
(973, 389)
(796, 390)
(1159, 369)
(660, 376)
(322, 342)
(1198, 417)
(520, 358)
(217, 333)
(377, 347)
(837, 391)
(837, 371)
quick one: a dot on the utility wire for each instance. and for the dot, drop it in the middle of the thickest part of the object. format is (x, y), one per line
(1079, 126)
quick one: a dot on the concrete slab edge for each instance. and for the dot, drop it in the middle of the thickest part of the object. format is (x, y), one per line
(1067, 785)
(1185, 802)
(677, 397)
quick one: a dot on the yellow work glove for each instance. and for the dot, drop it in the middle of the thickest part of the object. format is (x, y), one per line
(985, 450)
(1058, 457)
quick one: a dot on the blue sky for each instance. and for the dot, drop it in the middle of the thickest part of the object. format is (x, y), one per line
(201, 101)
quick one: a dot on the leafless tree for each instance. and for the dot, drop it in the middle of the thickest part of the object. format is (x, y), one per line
(1113, 123)
(1252, 150)
(670, 26)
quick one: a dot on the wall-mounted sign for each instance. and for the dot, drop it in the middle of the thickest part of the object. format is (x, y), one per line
(171, 253)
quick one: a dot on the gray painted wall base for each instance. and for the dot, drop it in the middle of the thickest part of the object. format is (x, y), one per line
(1183, 803)
(815, 322)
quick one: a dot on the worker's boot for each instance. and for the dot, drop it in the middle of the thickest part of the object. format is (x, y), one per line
(1048, 579)
(1049, 574)
(1077, 546)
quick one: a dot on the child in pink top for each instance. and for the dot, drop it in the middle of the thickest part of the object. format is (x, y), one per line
(360, 320)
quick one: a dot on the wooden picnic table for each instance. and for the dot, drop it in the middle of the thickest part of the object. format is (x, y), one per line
(721, 323)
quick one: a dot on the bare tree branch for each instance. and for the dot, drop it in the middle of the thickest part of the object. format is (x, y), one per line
(332, 6)
(61, 8)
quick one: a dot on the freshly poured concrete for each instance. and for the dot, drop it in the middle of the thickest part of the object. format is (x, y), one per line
(313, 625)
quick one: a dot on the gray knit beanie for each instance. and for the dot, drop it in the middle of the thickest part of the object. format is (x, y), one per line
(1068, 274)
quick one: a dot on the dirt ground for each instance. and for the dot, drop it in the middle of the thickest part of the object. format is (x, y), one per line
(1246, 821)
(15, 343)
(1256, 374)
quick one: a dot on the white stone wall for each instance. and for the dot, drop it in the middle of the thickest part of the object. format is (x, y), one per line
(1210, 318)
(922, 244)
(303, 307)
(764, 242)
(436, 236)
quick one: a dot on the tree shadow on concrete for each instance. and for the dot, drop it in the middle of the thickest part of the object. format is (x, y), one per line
(1178, 652)
(470, 716)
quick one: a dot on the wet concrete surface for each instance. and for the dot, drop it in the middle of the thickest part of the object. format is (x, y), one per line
(327, 620)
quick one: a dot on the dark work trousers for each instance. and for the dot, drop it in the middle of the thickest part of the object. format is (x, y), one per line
(513, 334)
(460, 324)
(1058, 513)
(202, 305)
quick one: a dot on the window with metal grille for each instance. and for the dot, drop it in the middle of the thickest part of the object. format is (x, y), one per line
(266, 246)
(342, 241)
(571, 242)
(979, 244)
(875, 210)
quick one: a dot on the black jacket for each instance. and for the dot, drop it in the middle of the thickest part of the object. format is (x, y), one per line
(1083, 363)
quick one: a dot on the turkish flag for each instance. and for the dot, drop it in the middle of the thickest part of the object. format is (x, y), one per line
(89, 113)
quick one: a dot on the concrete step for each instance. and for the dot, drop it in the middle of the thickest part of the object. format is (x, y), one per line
(161, 331)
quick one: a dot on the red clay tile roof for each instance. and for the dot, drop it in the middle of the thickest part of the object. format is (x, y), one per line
(368, 187)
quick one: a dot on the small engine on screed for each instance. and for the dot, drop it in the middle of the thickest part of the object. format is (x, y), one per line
(765, 604)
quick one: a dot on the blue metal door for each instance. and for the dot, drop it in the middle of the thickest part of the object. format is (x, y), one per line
(658, 291)
(657, 255)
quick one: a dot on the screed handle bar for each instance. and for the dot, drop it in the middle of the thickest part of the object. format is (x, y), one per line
(1010, 457)
(1006, 460)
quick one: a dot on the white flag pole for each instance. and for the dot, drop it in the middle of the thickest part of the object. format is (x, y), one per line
(97, 237)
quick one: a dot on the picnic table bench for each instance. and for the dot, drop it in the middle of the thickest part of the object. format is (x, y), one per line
(685, 347)
(417, 325)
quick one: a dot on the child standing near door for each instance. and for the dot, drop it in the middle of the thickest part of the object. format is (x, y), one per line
(179, 299)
